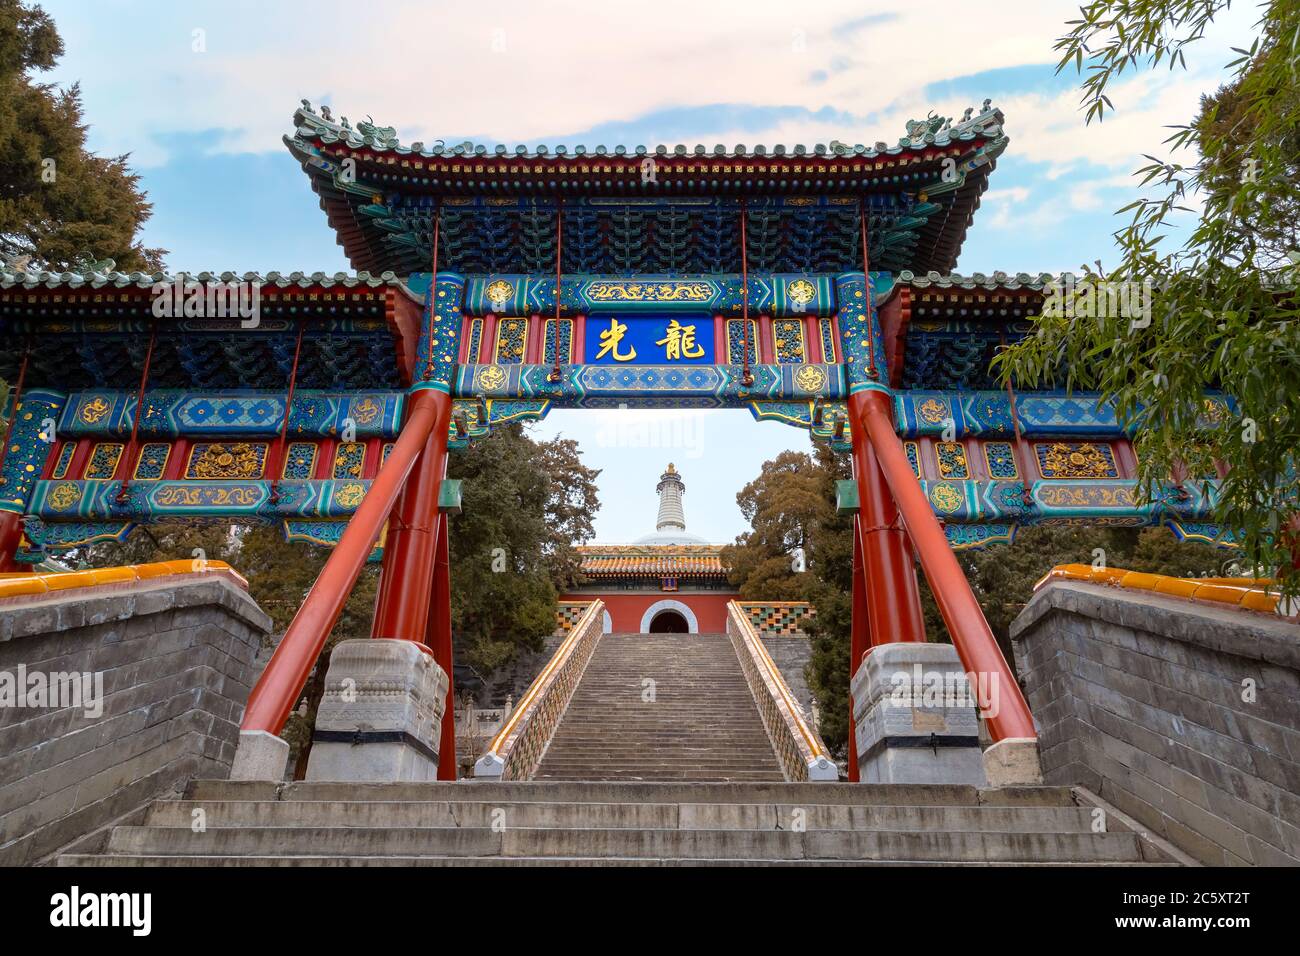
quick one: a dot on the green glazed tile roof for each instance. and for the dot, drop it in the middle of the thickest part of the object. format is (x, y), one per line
(497, 206)
(103, 275)
(320, 125)
(976, 280)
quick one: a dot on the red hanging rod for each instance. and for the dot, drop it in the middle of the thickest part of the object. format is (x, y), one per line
(555, 373)
(129, 454)
(746, 376)
(282, 455)
(1026, 495)
(433, 290)
(18, 397)
(866, 289)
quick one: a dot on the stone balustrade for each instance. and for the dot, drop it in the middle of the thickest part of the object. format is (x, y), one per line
(516, 751)
(802, 754)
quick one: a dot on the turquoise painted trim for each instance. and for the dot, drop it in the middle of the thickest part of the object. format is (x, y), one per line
(90, 501)
(231, 413)
(651, 386)
(860, 338)
(444, 312)
(783, 295)
(1102, 502)
(33, 434)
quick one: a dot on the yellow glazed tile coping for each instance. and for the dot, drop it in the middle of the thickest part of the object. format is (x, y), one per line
(1249, 593)
(19, 585)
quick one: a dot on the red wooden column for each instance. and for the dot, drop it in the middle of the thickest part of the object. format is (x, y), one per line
(402, 607)
(11, 536)
(282, 681)
(859, 639)
(439, 641)
(961, 611)
(11, 523)
(893, 598)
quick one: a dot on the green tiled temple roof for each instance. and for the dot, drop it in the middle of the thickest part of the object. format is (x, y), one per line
(91, 328)
(976, 280)
(921, 134)
(106, 276)
(497, 206)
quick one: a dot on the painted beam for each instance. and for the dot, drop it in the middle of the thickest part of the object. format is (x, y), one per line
(174, 413)
(650, 386)
(780, 294)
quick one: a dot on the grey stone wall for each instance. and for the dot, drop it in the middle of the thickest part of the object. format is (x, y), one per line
(791, 653)
(177, 663)
(1180, 713)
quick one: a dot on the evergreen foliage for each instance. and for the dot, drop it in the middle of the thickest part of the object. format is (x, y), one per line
(60, 205)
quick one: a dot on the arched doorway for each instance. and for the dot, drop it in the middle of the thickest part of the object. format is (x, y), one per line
(669, 622)
(671, 613)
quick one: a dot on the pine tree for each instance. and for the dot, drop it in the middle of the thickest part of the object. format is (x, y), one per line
(525, 506)
(60, 205)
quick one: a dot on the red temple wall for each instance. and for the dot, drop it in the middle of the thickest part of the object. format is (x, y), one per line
(626, 608)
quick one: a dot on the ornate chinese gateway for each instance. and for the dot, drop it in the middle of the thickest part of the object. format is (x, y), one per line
(811, 286)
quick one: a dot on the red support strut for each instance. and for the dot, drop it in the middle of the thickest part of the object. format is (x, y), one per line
(893, 597)
(132, 447)
(1009, 718)
(282, 448)
(439, 641)
(859, 639)
(402, 606)
(286, 673)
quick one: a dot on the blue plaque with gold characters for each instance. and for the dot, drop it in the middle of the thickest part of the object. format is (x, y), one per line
(649, 340)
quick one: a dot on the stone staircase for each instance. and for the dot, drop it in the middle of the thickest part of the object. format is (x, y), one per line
(701, 722)
(615, 823)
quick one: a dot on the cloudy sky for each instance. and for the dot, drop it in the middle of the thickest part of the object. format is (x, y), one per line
(200, 93)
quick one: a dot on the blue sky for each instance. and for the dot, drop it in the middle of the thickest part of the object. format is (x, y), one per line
(200, 94)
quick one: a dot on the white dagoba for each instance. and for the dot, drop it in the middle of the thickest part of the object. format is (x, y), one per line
(670, 526)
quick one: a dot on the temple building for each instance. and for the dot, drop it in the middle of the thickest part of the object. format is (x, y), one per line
(670, 581)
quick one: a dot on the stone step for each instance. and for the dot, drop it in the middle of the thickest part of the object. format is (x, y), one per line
(660, 816)
(987, 846)
(250, 823)
(703, 723)
(675, 750)
(685, 765)
(641, 774)
(786, 794)
(137, 860)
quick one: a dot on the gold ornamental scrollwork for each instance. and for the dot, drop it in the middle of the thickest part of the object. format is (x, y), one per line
(650, 291)
(365, 411)
(94, 410)
(499, 292)
(801, 291)
(350, 494)
(933, 411)
(490, 377)
(811, 378)
(1083, 460)
(946, 498)
(63, 496)
(239, 460)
